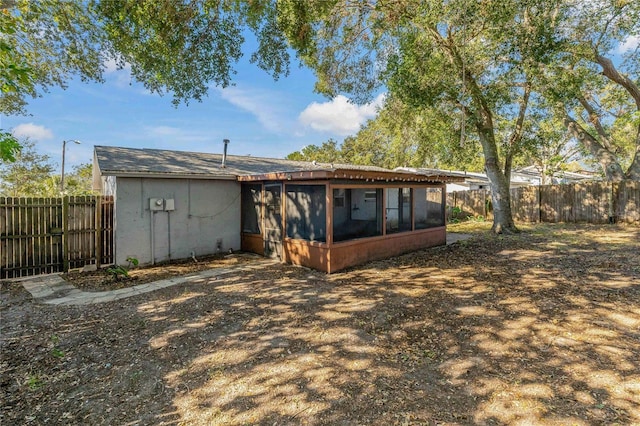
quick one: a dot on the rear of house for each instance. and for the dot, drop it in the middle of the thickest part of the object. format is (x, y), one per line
(174, 205)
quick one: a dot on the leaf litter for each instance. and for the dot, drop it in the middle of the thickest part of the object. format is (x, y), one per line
(541, 327)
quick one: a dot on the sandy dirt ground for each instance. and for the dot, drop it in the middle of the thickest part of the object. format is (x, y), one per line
(542, 327)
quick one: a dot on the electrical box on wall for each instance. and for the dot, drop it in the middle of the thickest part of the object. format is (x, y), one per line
(160, 204)
(156, 204)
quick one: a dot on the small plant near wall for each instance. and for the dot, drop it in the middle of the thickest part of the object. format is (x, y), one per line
(118, 271)
(453, 216)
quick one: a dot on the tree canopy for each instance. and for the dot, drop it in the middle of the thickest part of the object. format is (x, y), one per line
(28, 176)
(477, 70)
(182, 47)
(33, 175)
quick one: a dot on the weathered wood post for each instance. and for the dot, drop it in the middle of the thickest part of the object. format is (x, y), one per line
(65, 234)
(98, 238)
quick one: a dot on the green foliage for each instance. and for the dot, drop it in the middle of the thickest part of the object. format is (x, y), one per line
(182, 47)
(595, 97)
(15, 76)
(328, 152)
(401, 136)
(32, 175)
(80, 180)
(34, 382)
(118, 271)
(9, 147)
(48, 42)
(28, 176)
(462, 73)
(406, 136)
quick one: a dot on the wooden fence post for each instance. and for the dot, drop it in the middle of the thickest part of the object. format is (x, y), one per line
(539, 203)
(98, 230)
(484, 204)
(65, 234)
(612, 218)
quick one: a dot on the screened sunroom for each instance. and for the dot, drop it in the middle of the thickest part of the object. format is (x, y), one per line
(333, 219)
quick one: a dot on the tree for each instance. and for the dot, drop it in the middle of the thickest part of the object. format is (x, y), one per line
(598, 99)
(28, 176)
(9, 147)
(401, 136)
(468, 59)
(178, 46)
(405, 136)
(80, 180)
(328, 152)
(552, 149)
(13, 77)
(47, 42)
(480, 63)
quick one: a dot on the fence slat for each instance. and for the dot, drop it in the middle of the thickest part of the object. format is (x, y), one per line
(591, 202)
(45, 235)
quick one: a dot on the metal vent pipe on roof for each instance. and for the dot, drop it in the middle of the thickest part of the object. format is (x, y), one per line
(224, 154)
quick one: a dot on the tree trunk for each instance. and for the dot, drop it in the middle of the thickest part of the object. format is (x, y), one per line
(611, 72)
(500, 195)
(634, 170)
(544, 174)
(501, 200)
(608, 161)
(483, 118)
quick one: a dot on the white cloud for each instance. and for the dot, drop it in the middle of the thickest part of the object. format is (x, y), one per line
(111, 66)
(121, 76)
(32, 131)
(339, 115)
(264, 105)
(631, 43)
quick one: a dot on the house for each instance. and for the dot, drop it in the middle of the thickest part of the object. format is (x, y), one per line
(526, 176)
(533, 174)
(175, 205)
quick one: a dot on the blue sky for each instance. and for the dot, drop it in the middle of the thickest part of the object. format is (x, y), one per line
(260, 116)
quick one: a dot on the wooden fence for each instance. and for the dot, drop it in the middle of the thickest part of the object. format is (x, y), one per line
(46, 235)
(590, 202)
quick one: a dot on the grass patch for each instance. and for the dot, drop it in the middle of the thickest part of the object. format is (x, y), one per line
(470, 227)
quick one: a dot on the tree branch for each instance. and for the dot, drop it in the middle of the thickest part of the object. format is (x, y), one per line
(608, 162)
(610, 71)
(516, 135)
(595, 120)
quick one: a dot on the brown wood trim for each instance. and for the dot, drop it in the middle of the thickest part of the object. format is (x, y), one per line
(359, 185)
(358, 175)
(387, 237)
(307, 242)
(252, 243)
(384, 211)
(300, 252)
(329, 212)
(285, 176)
(355, 252)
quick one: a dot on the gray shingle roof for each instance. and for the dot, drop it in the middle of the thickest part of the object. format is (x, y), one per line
(119, 161)
(134, 161)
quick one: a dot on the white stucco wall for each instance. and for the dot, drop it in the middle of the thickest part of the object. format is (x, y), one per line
(206, 212)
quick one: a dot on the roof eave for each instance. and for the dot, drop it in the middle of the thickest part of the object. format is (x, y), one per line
(349, 174)
(168, 175)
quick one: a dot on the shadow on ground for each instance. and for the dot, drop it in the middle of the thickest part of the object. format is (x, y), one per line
(539, 328)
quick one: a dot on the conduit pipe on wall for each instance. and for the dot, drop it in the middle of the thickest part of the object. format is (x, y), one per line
(153, 239)
(169, 232)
